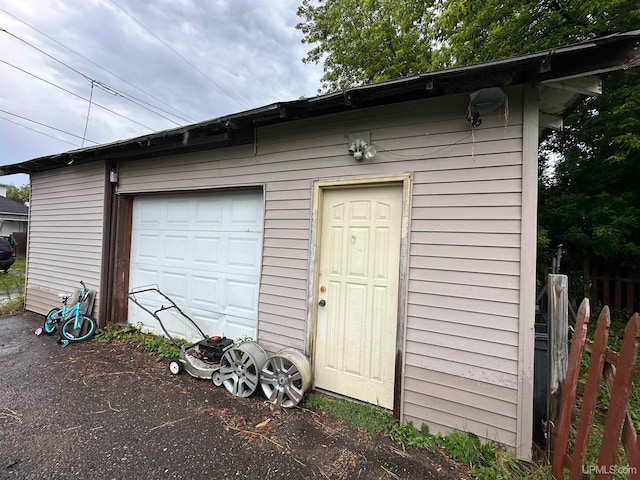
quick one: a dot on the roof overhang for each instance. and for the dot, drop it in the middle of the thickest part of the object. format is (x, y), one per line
(565, 75)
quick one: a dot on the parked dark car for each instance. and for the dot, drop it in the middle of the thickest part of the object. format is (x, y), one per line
(7, 253)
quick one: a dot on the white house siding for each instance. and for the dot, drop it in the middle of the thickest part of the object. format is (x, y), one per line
(65, 233)
(462, 326)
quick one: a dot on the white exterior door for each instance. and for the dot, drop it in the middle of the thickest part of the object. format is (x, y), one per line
(356, 326)
(203, 251)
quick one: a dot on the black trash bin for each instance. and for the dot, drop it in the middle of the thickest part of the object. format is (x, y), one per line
(540, 383)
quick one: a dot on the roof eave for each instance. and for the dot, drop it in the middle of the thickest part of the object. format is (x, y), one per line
(596, 57)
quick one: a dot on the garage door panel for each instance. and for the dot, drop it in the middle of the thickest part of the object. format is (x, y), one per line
(178, 212)
(147, 247)
(144, 276)
(174, 286)
(205, 253)
(237, 327)
(244, 211)
(241, 298)
(147, 215)
(210, 324)
(175, 248)
(172, 322)
(204, 294)
(244, 254)
(208, 211)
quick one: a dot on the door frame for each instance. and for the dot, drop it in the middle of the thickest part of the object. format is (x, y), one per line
(319, 186)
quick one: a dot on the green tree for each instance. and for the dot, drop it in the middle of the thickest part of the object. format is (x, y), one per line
(19, 194)
(366, 41)
(589, 198)
(472, 31)
(591, 203)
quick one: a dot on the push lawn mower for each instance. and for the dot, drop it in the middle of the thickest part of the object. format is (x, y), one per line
(201, 359)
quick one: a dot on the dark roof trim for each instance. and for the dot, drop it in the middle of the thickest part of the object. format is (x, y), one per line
(621, 50)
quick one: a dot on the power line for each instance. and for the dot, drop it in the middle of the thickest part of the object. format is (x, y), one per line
(38, 131)
(76, 95)
(48, 126)
(102, 85)
(187, 119)
(180, 55)
(44, 53)
(86, 124)
(117, 93)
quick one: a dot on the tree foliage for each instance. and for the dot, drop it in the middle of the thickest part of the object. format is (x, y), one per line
(366, 41)
(591, 203)
(480, 30)
(19, 194)
(590, 173)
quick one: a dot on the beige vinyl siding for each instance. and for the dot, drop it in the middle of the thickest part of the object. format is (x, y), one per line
(462, 325)
(65, 234)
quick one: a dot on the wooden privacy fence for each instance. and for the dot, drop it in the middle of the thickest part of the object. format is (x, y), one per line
(617, 291)
(619, 371)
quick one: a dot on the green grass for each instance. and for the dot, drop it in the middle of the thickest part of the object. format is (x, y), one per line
(369, 418)
(159, 346)
(12, 286)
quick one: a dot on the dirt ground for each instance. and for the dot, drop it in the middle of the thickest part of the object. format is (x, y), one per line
(109, 411)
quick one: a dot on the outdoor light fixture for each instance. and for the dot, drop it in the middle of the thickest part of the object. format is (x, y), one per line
(361, 150)
(484, 101)
(113, 176)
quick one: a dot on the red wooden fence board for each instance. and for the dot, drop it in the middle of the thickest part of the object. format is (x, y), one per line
(569, 390)
(594, 373)
(619, 394)
(619, 371)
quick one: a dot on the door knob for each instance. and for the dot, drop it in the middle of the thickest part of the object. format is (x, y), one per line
(322, 303)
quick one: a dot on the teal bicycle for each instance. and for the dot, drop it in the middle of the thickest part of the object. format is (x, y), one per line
(76, 326)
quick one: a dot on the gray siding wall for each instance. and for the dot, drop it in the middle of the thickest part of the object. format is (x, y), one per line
(65, 234)
(462, 326)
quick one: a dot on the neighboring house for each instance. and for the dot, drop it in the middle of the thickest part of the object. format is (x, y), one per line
(408, 278)
(14, 216)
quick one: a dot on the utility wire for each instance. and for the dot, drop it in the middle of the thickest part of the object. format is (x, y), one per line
(104, 86)
(187, 119)
(86, 124)
(76, 95)
(48, 126)
(117, 93)
(181, 56)
(38, 131)
(44, 53)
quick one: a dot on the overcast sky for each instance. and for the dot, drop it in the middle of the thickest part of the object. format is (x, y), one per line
(194, 59)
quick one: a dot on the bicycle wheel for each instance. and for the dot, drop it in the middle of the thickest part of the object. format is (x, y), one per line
(86, 328)
(53, 319)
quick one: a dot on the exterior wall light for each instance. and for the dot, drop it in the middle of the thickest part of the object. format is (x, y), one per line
(113, 176)
(361, 150)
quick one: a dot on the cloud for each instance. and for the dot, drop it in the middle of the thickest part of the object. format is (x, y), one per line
(202, 60)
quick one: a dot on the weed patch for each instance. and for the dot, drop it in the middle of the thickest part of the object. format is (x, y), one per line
(407, 435)
(369, 418)
(484, 461)
(157, 345)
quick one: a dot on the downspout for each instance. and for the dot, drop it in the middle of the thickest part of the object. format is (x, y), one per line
(105, 303)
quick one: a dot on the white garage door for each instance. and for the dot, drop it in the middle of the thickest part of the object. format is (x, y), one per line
(204, 252)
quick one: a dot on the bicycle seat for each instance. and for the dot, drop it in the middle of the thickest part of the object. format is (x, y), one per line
(65, 296)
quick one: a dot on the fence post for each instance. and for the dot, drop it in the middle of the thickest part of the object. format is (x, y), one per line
(558, 327)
